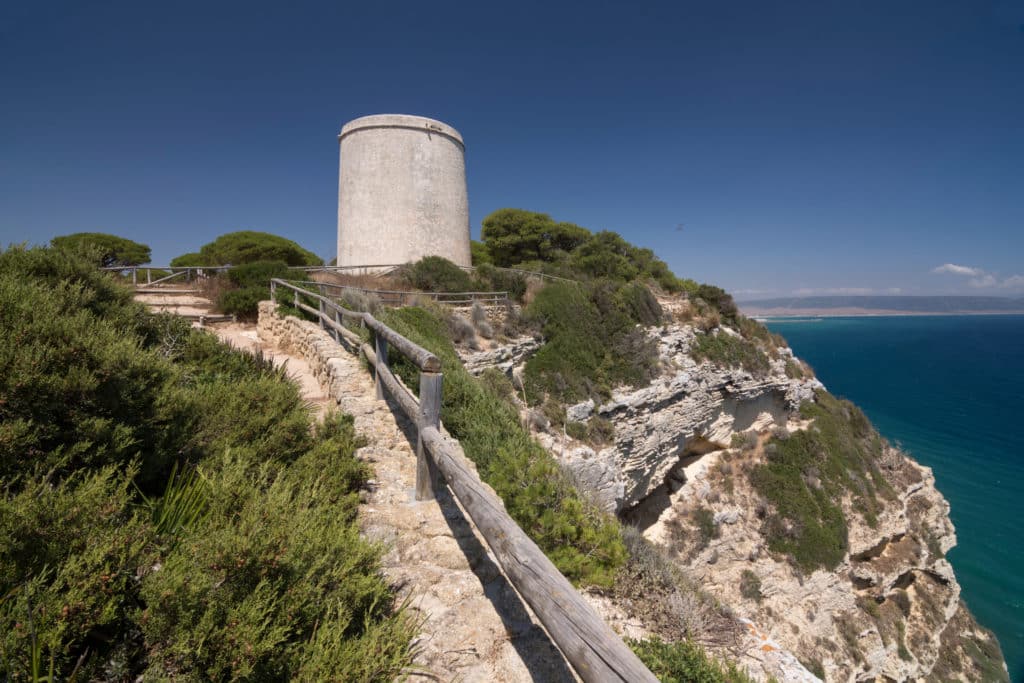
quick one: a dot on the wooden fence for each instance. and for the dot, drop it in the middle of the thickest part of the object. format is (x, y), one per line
(166, 273)
(392, 297)
(588, 644)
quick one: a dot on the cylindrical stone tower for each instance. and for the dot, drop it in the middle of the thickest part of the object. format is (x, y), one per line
(401, 192)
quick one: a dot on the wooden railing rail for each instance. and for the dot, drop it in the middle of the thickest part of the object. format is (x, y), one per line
(595, 651)
(398, 297)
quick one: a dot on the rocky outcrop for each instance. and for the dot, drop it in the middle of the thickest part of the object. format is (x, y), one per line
(658, 427)
(884, 613)
(504, 357)
(891, 609)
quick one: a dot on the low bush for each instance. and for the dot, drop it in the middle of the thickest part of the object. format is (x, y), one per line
(730, 351)
(248, 564)
(591, 344)
(839, 454)
(258, 274)
(497, 383)
(719, 299)
(704, 520)
(435, 274)
(582, 541)
(243, 303)
(640, 304)
(685, 662)
(750, 586)
(501, 280)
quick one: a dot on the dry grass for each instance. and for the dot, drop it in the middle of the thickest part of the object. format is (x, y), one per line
(386, 282)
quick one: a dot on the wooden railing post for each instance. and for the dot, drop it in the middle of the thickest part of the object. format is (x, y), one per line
(430, 416)
(337, 319)
(320, 319)
(149, 276)
(380, 347)
(135, 274)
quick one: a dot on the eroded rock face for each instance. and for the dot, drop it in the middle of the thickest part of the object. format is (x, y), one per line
(891, 610)
(690, 404)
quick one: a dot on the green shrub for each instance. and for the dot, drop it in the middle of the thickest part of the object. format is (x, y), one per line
(500, 280)
(70, 554)
(246, 593)
(704, 520)
(75, 390)
(718, 299)
(591, 344)
(244, 302)
(640, 304)
(165, 508)
(582, 541)
(435, 274)
(249, 246)
(750, 586)
(810, 471)
(258, 274)
(730, 351)
(497, 383)
(577, 430)
(684, 662)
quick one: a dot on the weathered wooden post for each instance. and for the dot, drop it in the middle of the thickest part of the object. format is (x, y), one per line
(337, 319)
(320, 319)
(273, 290)
(149, 276)
(430, 416)
(380, 347)
(135, 274)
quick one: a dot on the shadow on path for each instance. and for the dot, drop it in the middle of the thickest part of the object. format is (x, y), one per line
(533, 644)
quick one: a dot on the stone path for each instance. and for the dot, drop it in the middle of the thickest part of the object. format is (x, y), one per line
(475, 626)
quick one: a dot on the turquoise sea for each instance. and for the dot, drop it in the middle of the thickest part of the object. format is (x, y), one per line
(950, 390)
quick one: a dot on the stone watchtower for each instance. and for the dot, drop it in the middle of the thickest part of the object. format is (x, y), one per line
(401, 192)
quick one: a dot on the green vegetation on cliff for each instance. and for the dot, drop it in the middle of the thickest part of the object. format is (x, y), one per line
(807, 474)
(515, 238)
(593, 340)
(166, 510)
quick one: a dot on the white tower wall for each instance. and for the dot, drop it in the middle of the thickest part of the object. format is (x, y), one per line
(401, 191)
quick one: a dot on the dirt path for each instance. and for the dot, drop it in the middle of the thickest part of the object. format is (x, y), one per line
(243, 336)
(475, 626)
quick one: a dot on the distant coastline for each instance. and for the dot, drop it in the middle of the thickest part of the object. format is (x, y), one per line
(860, 306)
(800, 313)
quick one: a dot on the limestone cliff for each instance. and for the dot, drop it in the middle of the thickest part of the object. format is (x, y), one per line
(679, 468)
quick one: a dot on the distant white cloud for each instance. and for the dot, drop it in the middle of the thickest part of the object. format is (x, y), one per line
(980, 278)
(1013, 282)
(954, 269)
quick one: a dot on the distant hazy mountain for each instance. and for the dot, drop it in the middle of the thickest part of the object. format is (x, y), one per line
(908, 304)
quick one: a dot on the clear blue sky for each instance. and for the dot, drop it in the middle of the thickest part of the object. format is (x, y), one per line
(805, 147)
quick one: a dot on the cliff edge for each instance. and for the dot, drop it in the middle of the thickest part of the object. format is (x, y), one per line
(779, 501)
